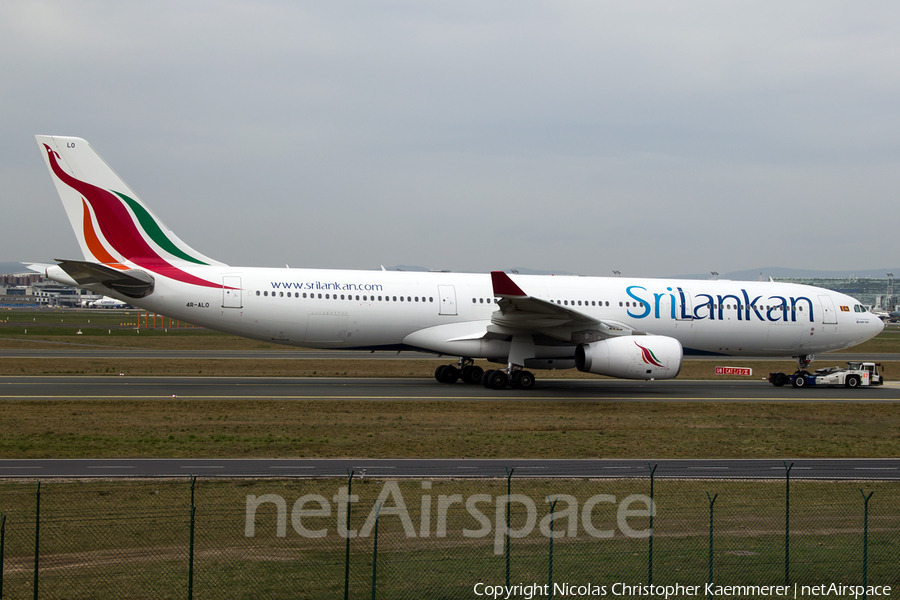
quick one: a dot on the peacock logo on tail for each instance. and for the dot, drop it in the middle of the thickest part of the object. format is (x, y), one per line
(119, 233)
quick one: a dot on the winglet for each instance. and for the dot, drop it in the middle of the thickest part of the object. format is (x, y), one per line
(504, 286)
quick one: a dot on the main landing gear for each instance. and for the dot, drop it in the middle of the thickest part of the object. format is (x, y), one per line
(465, 369)
(494, 379)
(499, 379)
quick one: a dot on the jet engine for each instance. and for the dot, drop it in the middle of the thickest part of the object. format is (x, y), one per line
(631, 357)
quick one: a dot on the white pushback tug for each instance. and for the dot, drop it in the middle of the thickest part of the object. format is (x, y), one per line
(854, 375)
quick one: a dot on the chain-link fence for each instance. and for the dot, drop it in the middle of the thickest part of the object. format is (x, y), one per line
(443, 538)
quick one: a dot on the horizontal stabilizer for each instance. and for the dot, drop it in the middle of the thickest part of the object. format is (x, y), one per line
(38, 267)
(132, 283)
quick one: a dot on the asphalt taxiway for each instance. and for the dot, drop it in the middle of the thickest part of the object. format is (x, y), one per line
(418, 389)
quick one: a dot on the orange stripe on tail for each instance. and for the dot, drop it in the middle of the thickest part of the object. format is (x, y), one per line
(94, 244)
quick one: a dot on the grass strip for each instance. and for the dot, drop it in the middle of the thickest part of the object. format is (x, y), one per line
(460, 429)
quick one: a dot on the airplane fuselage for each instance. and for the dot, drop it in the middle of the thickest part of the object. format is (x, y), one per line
(390, 309)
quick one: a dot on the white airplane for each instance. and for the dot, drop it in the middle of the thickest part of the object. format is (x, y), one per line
(107, 302)
(621, 327)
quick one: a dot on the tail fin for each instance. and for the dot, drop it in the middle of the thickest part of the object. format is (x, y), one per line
(113, 226)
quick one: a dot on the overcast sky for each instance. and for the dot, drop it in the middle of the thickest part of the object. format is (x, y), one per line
(654, 138)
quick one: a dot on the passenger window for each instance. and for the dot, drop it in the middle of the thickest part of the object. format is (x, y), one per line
(257, 292)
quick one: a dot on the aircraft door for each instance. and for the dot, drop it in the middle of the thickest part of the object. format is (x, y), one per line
(447, 295)
(231, 292)
(829, 316)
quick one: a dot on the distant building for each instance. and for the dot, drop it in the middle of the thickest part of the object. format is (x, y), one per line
(20, 279)
(30, 289)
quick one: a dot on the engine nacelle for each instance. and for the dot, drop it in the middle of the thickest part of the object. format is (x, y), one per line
(632, 357)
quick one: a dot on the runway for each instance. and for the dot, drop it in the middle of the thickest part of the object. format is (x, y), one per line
(460, 468)
(421, 389)
(854, 469)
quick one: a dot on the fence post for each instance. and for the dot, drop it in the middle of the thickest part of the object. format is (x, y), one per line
(375, 549)
(347, 547)
(550, 569)
(652, 512)
(509, 473)
(787, 523)
(37, 536)
(2, 545)
(866, 540)
(712, 500)
(191, 549)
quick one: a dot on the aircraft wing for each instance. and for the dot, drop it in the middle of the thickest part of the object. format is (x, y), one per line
(520, 313)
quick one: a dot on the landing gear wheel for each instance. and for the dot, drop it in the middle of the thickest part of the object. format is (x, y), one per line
(852, 381)
(471, 374)
(450, 374)
(438, 372)
(497, 380)
(523, 380)
(486, 378)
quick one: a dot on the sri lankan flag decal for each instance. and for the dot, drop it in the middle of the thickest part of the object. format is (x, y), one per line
(649, 357)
